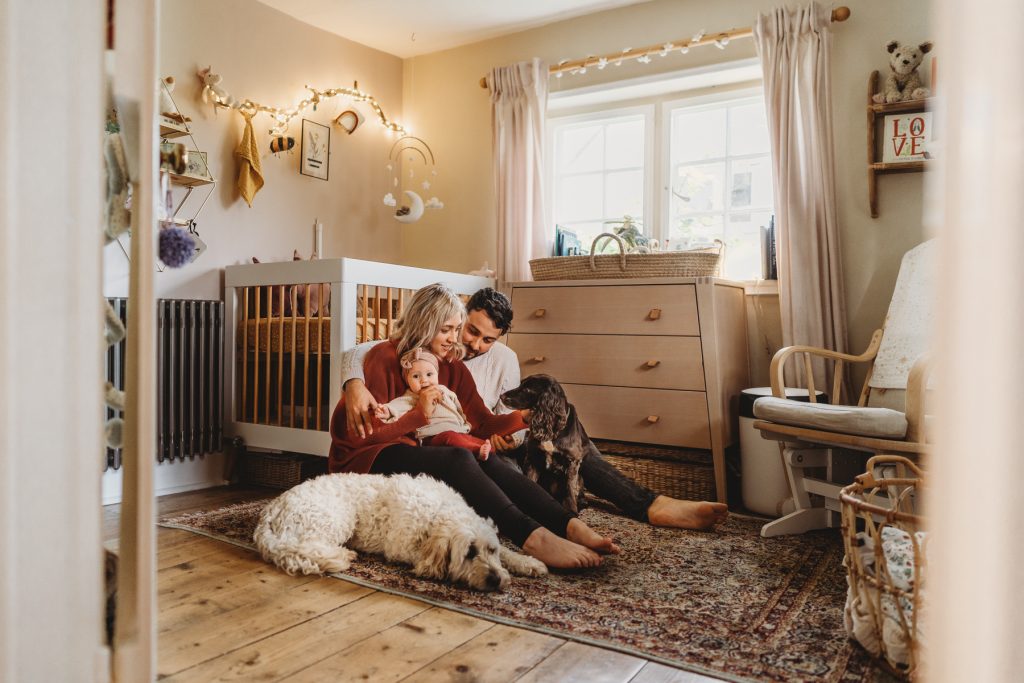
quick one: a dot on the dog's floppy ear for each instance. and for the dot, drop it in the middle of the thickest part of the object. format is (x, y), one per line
(550, 413)
(435, 555)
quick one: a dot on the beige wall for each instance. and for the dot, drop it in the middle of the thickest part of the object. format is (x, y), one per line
(450, 110)
(268, 57)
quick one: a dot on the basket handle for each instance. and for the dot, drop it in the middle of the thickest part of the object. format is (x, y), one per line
(868, 478)
(622, 251)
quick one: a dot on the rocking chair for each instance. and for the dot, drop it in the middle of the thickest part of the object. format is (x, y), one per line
(889, 417)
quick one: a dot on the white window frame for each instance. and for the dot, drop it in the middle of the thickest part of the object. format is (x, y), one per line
(648, 111)
(742, 96)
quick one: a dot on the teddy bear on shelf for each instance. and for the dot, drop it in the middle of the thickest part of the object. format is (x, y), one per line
(212, 90)
(904, 80)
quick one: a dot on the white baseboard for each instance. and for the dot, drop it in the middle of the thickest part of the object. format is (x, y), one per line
(189, 475)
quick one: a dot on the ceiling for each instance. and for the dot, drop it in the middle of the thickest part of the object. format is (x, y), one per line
(407, 28)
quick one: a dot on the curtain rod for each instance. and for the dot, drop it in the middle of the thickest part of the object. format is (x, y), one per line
(838, 14)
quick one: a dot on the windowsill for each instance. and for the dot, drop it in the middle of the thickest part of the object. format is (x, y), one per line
(760, 287)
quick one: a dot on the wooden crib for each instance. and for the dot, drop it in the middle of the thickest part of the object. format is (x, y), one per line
(282, 373)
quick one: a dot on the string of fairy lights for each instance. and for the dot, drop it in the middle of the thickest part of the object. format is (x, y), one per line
(283, 115)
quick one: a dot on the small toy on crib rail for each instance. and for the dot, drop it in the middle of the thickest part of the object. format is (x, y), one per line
(484, 271)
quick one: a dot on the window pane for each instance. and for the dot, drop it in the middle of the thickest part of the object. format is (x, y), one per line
(748, 129)
(698, 188)
(695, 231)
(624, 194)
(579, 198)
(697, 135)
(750, 183)
(625, 144)
(580, 148)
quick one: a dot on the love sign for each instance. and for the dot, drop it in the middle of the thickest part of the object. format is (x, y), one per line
(905, 137)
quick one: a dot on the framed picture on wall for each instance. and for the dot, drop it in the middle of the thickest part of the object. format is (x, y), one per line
(316, 149)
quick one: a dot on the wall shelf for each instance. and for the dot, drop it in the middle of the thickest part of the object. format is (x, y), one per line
(876, 113)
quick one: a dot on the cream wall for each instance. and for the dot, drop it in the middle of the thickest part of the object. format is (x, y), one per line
(267, 56)
(448, 108)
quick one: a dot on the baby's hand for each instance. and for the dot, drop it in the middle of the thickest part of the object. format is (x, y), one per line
(382, 412)
(485, 451)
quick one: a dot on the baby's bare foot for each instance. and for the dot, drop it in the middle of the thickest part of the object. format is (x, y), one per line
(578, 532)
(558, 552)
(485, 450)
(686, 514)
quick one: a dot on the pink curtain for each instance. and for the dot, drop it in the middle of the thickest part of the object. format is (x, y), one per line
(794, 47)
(519, 96)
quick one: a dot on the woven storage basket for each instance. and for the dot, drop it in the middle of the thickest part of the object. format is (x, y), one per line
(676, 472)
(886, 562)
(279, 470)
(691, 263)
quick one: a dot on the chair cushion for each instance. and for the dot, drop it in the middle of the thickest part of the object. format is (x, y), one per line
(882, 423)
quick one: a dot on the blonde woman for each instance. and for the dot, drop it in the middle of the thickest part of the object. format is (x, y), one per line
(522, 510)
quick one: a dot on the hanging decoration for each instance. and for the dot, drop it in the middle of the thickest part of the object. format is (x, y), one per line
(214, 93)
(349, 120)
(282, 144)
(407, 155)
(250, 173)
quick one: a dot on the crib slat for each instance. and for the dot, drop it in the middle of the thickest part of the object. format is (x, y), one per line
(390, 317)
(280, 356)
(319, 352)
(256, 361)
(295, 325)
(366, 316)
(245, 352)
(305, 374)
(266, 360)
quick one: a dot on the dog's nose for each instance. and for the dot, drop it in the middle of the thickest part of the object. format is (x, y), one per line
(492, 581)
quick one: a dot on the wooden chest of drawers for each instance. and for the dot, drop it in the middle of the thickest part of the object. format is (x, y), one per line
(658, 361)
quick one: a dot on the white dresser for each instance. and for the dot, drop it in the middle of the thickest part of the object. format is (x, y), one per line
(659, 361)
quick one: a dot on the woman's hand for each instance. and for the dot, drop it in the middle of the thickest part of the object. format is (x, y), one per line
(359, 407)
(429, 398)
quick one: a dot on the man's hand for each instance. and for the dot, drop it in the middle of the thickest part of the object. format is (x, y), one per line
(359, 406)
(502, 444)
(429, 398)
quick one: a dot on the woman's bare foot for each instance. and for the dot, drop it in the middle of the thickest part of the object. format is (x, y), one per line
(686, 514)
(578, 532)
(557, 552)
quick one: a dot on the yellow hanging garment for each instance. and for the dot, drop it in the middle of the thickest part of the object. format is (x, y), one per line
(250, 175)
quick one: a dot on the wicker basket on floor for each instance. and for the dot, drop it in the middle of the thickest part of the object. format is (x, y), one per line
(677, 472)
(690, 263)
(279, 470)
(886, 562)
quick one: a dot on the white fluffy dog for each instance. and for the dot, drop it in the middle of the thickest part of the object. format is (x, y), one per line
(315, 527)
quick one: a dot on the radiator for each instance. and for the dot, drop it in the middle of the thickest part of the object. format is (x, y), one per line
(190, 389)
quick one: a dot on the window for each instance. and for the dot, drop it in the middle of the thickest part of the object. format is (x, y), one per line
(719, 180)
(714, 175)
(600, 170)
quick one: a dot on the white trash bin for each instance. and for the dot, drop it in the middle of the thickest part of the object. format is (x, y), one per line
(765, 487)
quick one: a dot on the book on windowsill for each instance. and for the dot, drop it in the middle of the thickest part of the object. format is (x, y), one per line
(769, 265)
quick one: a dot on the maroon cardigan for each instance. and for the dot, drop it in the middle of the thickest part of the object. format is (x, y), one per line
(350, 453)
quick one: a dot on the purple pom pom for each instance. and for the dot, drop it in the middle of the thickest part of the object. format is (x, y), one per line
(176, 247)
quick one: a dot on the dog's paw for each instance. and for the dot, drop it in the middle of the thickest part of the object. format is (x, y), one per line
(339, 562)
(522, 565)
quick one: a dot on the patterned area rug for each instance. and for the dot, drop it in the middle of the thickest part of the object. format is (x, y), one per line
(728, 604)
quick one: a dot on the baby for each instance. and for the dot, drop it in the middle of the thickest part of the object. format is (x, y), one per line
(448, 425)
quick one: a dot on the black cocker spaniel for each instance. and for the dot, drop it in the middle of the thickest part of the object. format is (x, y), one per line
(557, 441)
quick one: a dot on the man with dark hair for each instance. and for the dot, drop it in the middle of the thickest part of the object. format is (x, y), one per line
(495, 369)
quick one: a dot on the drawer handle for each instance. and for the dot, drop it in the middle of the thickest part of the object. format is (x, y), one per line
(653, 419)
(537, 359)
(653, 363)
(540, 313)
(654, 314)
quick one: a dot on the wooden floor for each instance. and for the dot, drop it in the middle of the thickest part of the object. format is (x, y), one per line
(224, 615)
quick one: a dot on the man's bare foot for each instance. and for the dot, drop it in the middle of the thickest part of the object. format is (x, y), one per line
(578, 532)
(557, 552)
(485, 450)
(686, 514)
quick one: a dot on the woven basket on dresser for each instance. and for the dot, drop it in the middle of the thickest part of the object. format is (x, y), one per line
(677, 472)
(690, 263)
